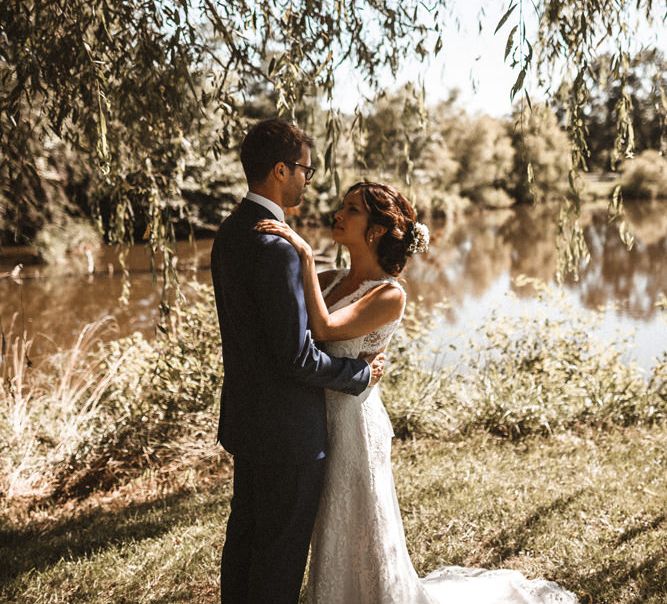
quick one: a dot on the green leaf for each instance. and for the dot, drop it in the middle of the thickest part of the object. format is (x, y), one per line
(504, 17)
(510, 41)
(327, 157)
(438, 45)
(518, 84)
(529, 57)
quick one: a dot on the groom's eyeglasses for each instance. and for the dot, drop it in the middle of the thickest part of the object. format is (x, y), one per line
(308, 170)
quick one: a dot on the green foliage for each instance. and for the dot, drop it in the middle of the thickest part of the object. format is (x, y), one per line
(129, 85)
(639, 97)
(450, 159)
(645, 176)
(67, 242)
(484, 154)
(395, 135)
(52, 189)
(98, 415)
(163, 392)
(115, 408)
(542, 161)
(522, 376)
(570, 36)
(411, 393)
(126, 83)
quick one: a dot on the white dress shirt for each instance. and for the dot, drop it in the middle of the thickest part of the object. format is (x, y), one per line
(271, 206)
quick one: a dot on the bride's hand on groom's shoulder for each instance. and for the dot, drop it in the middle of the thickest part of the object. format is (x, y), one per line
(376, 362)
(275, 227)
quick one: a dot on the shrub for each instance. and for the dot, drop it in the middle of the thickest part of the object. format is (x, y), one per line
(522, 376)
(485, 156)
(493, 198)
(542, 143)
(412, 394)
(645, 176)
(70, 241)
(100, 413)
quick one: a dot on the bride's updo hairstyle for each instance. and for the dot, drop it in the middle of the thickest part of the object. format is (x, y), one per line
(387, 207)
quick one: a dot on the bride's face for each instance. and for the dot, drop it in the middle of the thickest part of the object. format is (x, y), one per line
(351, 221)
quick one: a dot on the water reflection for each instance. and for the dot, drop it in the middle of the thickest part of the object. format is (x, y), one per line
(472, 264)
(467, 258)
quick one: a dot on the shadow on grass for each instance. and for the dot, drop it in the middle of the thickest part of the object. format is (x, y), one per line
(512, 541)
(33, 549)
(649, 577)
(641, 528)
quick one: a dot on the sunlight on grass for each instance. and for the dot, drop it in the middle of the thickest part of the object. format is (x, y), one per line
(548, 454)
(586, 511)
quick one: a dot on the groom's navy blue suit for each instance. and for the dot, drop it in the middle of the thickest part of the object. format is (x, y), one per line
(272, 415)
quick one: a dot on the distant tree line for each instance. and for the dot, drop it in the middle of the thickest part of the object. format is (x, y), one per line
(129, 111)
(446, 158)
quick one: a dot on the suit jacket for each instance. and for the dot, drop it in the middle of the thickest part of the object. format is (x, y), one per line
(272, 407)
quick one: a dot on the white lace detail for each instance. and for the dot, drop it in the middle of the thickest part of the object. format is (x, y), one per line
(376, 340)
(359, 554)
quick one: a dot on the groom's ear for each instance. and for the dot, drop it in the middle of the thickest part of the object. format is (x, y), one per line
(280, 171)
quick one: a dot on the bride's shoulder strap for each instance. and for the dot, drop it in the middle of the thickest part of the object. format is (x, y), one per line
(373, 284)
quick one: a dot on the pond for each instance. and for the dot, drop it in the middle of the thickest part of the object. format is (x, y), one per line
(473, 265)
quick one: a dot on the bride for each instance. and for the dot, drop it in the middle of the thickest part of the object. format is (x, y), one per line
(359, 554)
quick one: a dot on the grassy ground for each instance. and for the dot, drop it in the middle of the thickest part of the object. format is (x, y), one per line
(585, 510)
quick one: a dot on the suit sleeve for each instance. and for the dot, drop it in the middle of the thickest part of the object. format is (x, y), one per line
(284, 321)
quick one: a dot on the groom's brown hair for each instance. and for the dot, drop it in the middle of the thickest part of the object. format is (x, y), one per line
(269, 142)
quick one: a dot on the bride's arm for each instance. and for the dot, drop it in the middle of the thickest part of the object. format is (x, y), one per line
(379, 307)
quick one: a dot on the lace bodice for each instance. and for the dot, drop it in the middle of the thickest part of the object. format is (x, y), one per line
(376, 340)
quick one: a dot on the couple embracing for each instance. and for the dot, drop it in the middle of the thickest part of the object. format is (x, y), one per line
(301, 412)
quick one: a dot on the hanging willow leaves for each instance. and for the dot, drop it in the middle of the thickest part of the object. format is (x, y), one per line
(504, 18)
(570, 35)
(510, 42)
(129, 84)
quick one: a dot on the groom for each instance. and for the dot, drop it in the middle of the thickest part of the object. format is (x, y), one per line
(272, 415)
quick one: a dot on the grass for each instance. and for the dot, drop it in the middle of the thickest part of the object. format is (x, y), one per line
(586, 510)
(100, 413)
(545, 452)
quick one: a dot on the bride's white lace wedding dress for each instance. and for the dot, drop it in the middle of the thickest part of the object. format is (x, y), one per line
(359, 554)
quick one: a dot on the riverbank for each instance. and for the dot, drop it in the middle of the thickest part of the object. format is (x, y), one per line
(585, 509)
(473, 263)
(544, 451)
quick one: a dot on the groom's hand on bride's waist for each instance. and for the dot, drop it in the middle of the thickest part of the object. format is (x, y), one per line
(376, 362)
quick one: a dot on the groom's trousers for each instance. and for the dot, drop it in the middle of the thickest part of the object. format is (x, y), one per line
(272, 514)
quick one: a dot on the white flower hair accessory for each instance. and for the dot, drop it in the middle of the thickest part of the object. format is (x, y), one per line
(420, 236)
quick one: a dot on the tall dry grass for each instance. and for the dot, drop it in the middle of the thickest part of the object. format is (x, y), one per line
(47, 413)
(102, 413)
(99, 413)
